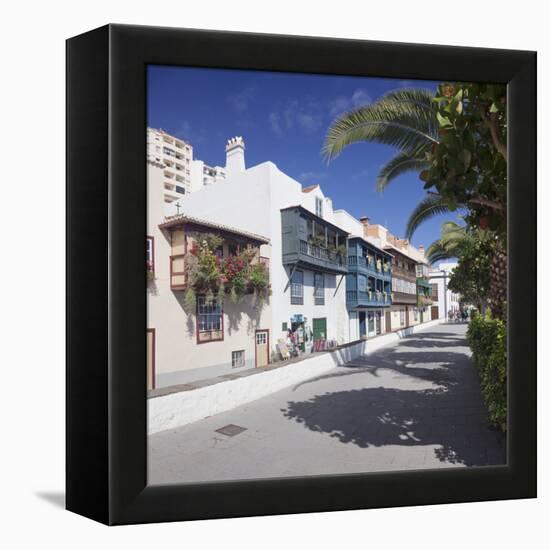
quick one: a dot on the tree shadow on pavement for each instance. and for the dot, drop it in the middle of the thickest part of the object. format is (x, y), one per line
(431, 343)
(400, 362)
(451, 415)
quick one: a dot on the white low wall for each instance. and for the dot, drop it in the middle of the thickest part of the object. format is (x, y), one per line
(180, 408)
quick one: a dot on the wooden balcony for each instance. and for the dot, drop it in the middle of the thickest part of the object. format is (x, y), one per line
(303, 251)
(361, 298)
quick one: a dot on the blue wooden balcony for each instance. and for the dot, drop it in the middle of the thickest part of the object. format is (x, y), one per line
(299, 248)
(374, 269)
(365, 298)
(423, 292)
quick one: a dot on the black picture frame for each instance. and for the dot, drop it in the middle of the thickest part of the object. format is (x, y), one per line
(106, 302)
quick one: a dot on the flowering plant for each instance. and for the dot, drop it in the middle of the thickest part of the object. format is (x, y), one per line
(235, 275)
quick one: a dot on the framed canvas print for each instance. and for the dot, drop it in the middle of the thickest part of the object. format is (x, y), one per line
(337, 308)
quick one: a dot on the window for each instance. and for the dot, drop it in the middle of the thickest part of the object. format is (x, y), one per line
(180, 189)
(362, 283)
(319, 206)
(237, 359)
(209, 320)
(416, 314)
(285, 327)
(319, 291)
(297, 288)
(261, 338)
(150, 254)
(402, 317)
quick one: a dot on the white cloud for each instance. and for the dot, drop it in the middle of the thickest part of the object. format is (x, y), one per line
(275, 122)
(343, 104)
(306, 117)
(188, 132)
(308, 122)
(241, 101)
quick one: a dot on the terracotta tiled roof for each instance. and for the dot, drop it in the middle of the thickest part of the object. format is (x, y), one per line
(310, 188)
(179, 219)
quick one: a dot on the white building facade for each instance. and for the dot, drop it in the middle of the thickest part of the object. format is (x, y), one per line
(445, 300)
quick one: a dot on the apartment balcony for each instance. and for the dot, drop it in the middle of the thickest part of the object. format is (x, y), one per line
(424, 300)
(317, 257)
(423, 282)
(301, 251)
(367, 298)
(361, 264)
(404, 298)
(424, 292)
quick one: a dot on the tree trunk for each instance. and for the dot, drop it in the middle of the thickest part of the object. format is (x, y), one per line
(499, 283)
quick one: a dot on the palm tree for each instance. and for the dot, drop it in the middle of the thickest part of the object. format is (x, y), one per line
(406, 119)
(454, 239)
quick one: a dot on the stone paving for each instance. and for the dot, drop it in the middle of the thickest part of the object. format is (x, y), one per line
(412, 405)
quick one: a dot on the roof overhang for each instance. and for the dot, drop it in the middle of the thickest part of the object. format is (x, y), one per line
(183, 219)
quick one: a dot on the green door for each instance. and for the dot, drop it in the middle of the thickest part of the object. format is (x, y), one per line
(320, 329)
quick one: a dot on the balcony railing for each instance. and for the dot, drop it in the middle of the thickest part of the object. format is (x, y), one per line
(325, 256)
(362, 263)
(367, 298)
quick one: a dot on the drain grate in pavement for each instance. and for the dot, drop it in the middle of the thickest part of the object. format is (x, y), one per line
(230, 430)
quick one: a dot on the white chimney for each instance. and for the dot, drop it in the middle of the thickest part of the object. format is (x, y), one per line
(234, 156)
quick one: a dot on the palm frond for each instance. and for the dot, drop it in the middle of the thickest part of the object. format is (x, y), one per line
(437, 252)
(400, 164)
(453, 240)
(404, 118)
(427, 208)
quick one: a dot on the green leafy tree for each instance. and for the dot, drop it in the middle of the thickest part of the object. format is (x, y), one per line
(471, 277)
(467, 165)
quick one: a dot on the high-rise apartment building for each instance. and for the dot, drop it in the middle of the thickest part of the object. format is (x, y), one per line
(174, 157)
(181, 173)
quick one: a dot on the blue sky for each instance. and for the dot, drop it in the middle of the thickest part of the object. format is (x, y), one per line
(283, 117)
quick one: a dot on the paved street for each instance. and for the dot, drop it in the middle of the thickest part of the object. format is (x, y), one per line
(412, 405)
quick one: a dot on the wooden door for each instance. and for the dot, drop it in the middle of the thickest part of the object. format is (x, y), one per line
(262, 348)
(151, 358)
(435, 312)
(388, 321)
